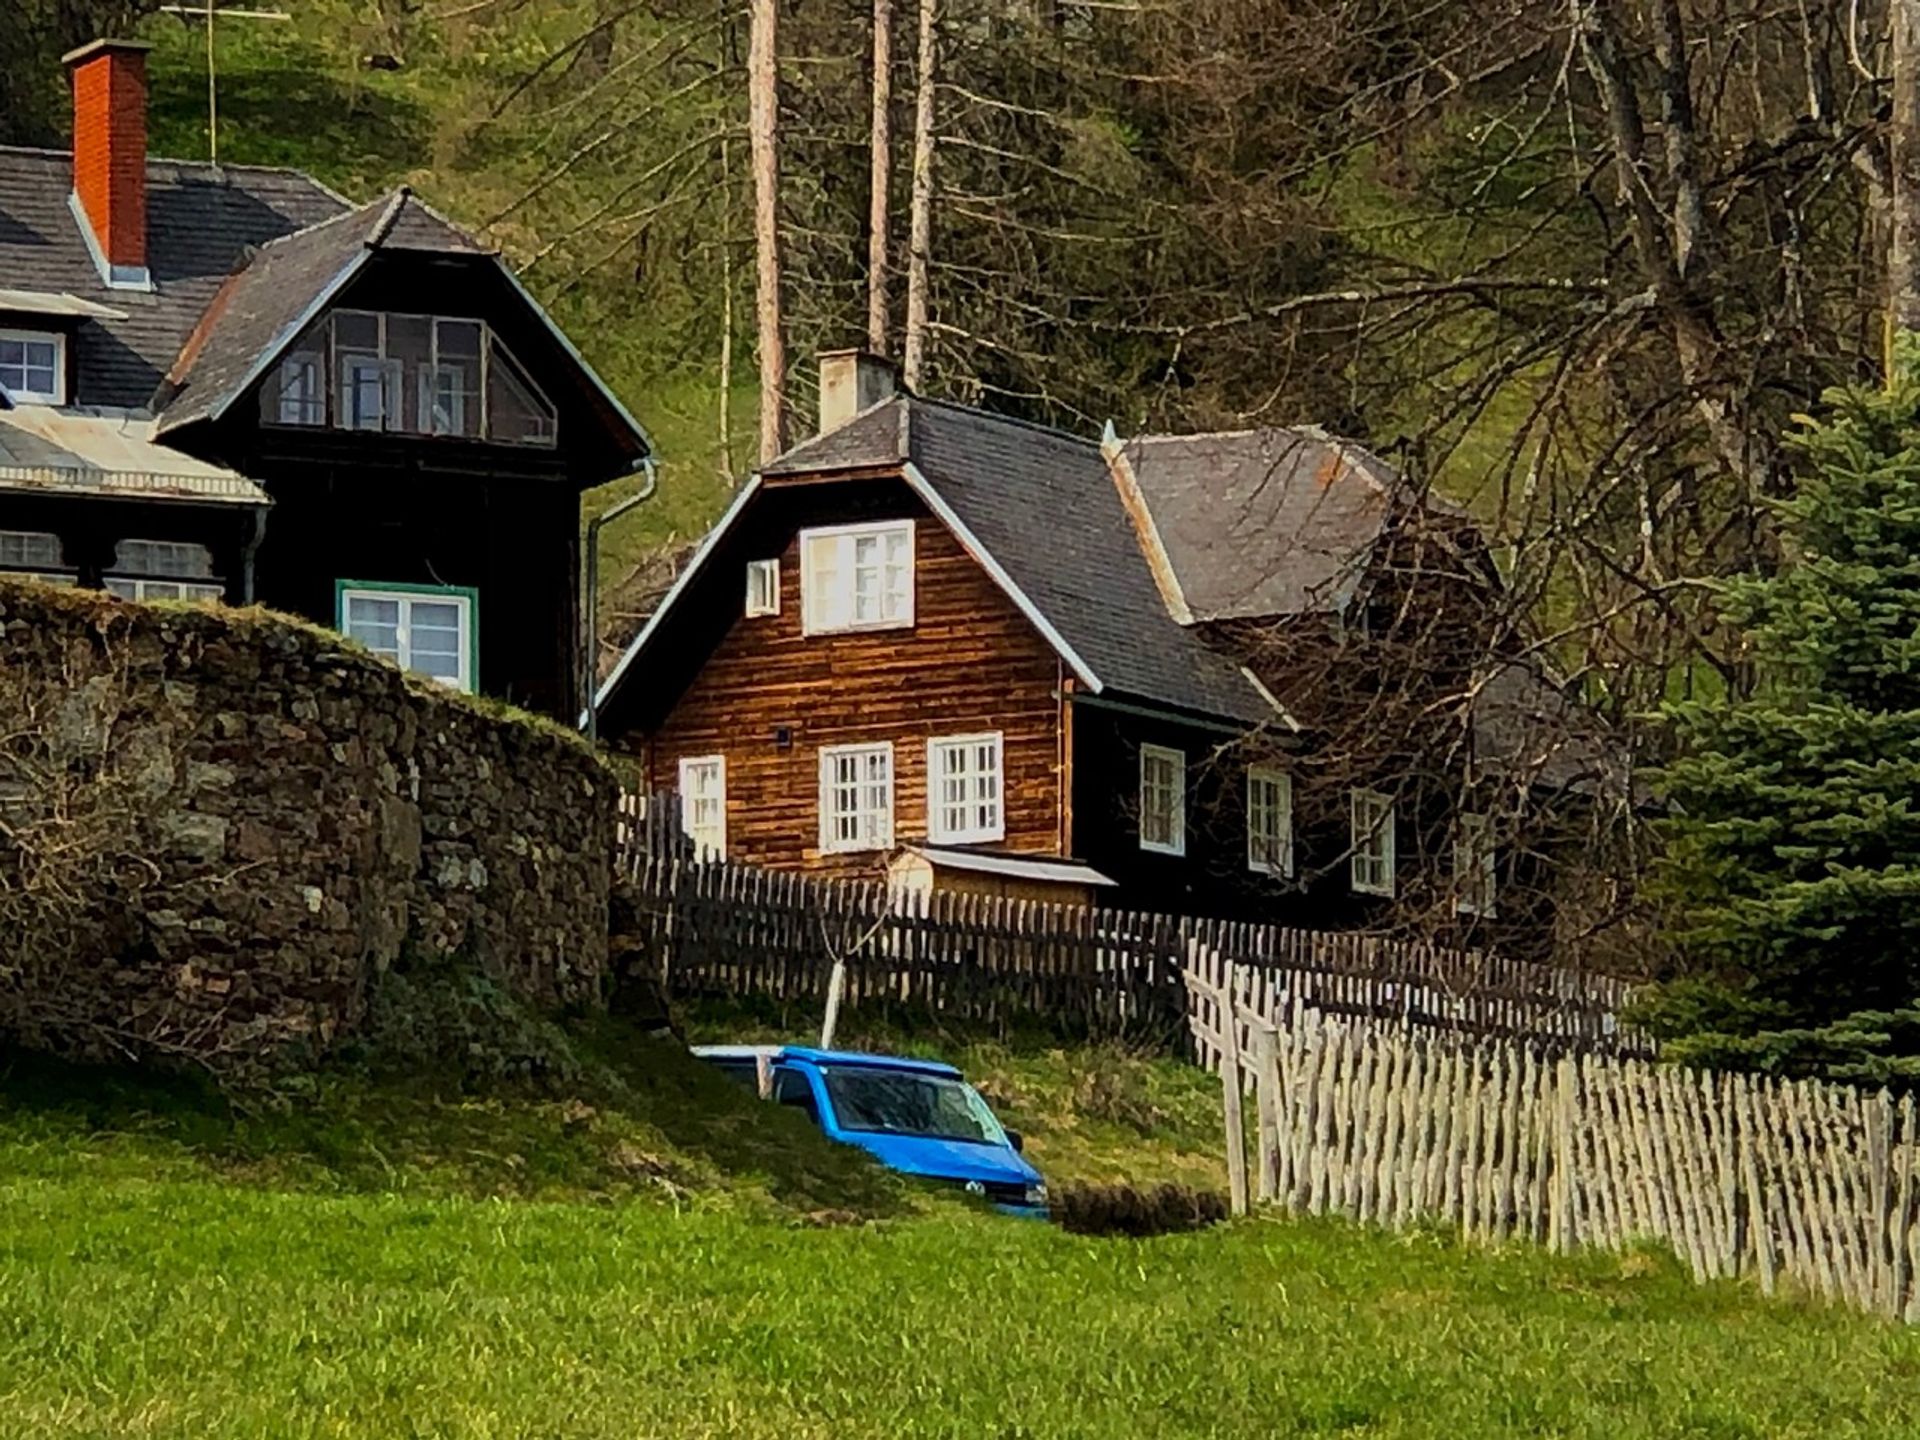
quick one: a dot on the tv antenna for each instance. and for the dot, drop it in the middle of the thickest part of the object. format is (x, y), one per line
(207, 14)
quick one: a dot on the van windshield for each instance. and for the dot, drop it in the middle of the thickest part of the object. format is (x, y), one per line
(899, 1102)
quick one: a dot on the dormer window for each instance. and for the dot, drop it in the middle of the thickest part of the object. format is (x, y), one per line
(408, 374)
(33, 366)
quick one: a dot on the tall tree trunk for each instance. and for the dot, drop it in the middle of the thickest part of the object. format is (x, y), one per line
(726, 311)
(920, 231)
(1903, 247)
(879, 328)
(763, 118)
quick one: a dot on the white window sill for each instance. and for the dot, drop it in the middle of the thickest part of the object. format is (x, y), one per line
(856, 629)
(1384, 892)
(1152, 847)
(1276, 872)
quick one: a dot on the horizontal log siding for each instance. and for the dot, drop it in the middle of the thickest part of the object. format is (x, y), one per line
(970, 663)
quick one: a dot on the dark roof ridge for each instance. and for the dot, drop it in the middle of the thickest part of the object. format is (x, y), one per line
(1001, 417)
(58, 152)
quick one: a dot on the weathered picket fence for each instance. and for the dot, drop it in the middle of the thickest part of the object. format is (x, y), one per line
(730, 930)
(1812, 1184)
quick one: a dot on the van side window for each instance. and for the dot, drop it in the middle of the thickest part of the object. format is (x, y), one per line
(790, 1087)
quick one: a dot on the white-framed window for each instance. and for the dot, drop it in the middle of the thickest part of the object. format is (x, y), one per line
(1372, 843)
(301, 396)
(856, 797)
(33, 366)
(163, 570)
(965, 782)
(1163, 800)
(703, 804)
(430, 631)
(369, 392)
(1269, 820)
(1474, 866)
(856, 577)
(763, 588)
(447, 397)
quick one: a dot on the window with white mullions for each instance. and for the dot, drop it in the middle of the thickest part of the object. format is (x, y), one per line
(1474, 866)
(430, 632)
(856, 797)
(763, 588)
(35, 553)
(964, 789)
(33, 366)
(1372, 858)
(1269, 820)
(703, 805)
(1163, 800)
(857, 577)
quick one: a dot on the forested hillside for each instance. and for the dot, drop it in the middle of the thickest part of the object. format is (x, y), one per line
(1577, 265)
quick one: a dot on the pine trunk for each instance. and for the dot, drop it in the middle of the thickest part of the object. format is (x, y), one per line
(881, 152)
(1903, 249)
(763, 84)
(920, 233)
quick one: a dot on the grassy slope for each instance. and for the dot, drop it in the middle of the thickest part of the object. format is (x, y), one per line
(378, 1261)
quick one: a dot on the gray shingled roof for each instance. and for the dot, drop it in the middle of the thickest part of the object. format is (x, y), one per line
(200, 221)
(261, 308)
(1044, 505)
(1258, 523)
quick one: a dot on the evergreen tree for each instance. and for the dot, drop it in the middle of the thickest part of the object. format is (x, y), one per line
(1794, 854)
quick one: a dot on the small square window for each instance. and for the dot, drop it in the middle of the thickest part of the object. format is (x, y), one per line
(763, 588)
(1372, 843)
(33, 366)
(1163, 800)
(430, 632)
(964, 780)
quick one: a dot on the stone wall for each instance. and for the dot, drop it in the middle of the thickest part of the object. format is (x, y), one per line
(216, 826)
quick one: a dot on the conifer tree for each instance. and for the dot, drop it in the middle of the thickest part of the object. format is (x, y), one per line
(1794, 856)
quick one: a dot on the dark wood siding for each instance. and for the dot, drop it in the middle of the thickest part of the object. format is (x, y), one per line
(768, 697)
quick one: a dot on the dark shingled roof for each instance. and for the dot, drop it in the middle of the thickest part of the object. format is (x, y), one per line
(1257, 523)
(200, 222)
(260, 308)
(1527, 729)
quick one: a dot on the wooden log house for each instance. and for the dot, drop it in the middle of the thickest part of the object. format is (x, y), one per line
(984, 655)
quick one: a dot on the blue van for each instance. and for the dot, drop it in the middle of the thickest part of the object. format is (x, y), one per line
(918, 1117)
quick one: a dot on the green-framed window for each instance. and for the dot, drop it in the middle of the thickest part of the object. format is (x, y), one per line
(431, 629)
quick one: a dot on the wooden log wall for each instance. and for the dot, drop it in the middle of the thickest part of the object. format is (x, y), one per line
(737, 931)
(1794, 1183)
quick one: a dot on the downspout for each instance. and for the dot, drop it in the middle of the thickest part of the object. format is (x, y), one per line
(591, 640)
(248, 550)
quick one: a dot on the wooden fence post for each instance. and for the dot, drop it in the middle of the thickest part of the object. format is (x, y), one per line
(1230, 1094)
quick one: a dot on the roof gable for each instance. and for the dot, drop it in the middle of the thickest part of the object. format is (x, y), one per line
(268, 302)
(1038, 510)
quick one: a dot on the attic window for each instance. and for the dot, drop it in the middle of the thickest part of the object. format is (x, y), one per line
(857, 577)
(408, 374)
(33, 366)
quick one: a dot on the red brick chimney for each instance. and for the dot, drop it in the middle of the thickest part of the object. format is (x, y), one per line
(110, 155)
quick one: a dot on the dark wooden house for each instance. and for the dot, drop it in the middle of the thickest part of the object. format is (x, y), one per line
(985, 654)
(228, 383)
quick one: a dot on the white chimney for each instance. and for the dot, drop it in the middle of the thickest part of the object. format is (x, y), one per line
(852, 381)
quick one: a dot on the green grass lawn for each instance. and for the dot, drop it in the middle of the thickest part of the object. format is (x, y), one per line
(668, 1257)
